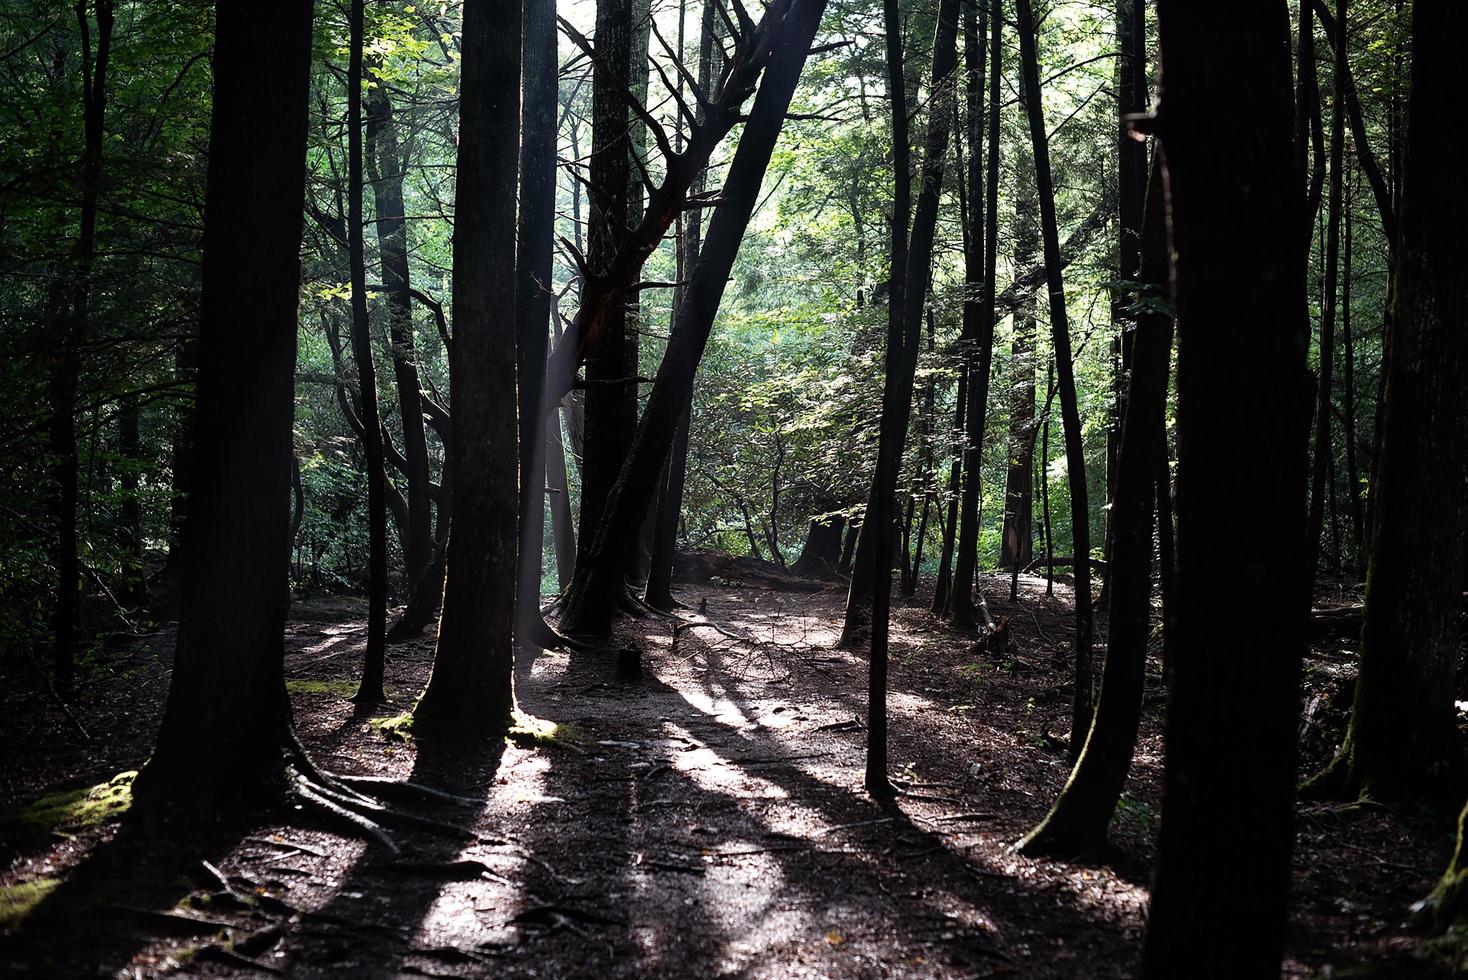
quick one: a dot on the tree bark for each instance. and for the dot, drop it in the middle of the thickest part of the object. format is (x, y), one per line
(227, 730)
(1236, 207)
(1075, 457)
(1402, 741)
(471, 688)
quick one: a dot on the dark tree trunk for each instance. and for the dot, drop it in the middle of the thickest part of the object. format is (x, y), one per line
(227, 730)
(1321, 483)
(1080, 816)
(942, 585)
(594, 594)
(822, 549)
(387, 165)
(608, 428)
(1448, 903)
(1075, 456)
(658, 592)
(72, 327)
(859, 596)
(901, 361)
(1220, 892)
(533, 299)
(1018, 547)
(961, 598)
(370, 691)
(1402, 742)
(471, 688)
(185, 374)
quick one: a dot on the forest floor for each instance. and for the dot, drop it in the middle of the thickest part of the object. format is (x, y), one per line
(707, 819)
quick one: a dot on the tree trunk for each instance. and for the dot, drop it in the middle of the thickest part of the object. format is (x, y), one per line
(563, 533)
(370, 690)
(534, 298)
(608, 428)
(1353, 473)
(134, 591)
(1079, 819)
(471, 688)
(387, 165)
(942, 585)
(1448, 904)
(592, 599)
(1402, 742)
(961, 598)
(72, 328)
(1018, 548)
(226, 729)
(901, 361)
(1220, 891)
(859, 595)
(1075, 457)
(1320, 485)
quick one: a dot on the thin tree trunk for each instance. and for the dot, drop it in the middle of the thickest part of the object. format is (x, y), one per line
(370, 691)
(1075, 457)
(1237, 209)
(563, 533)
(941, 586)
(471, 688)
(134, 591)
(1320, 486)
(1353, 474)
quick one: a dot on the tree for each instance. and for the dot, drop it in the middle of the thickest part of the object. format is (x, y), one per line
(1078, 821)
(1402, 741)
(1219, 898)
(72, 325)
(370, 691)
(227, 729)
(595, 591)
(1075, 455)
(471, 689)
(977, 413)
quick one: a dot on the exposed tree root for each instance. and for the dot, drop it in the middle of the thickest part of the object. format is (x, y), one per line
(384, 788)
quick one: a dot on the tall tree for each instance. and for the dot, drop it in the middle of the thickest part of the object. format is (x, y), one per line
(593, 597)
(903, 337)
(1320, 484)
(1219, 898)
(471, 689)
(1075, 454)
(73, 323)
(534, 298)
(1079, 819)
(976, 416)
(387, 167)
(370, 691)
(1402, 741)
(227, 729)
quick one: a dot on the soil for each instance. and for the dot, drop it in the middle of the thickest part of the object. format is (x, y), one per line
(704, 819)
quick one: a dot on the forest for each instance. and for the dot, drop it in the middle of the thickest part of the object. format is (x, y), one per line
(733, 488)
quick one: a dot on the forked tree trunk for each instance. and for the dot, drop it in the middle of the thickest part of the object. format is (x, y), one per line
(594, 594)
(1402, 742)
(370, 691)
(1075, 456)
(1220, 892)
(471, 688)
(227, 729)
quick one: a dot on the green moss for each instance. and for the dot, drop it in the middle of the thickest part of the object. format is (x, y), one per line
(340, 689)
(17, 901)
(528, 731)
(396, 726)
(79, 809)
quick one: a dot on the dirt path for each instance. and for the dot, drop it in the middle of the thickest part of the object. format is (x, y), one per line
(706, 819)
